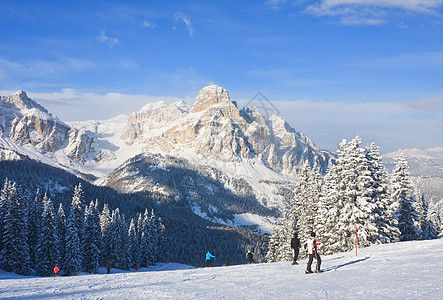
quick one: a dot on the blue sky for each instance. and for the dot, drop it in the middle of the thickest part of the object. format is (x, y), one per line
(334, 68)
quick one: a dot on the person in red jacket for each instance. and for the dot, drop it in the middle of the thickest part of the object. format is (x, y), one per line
(313, 245)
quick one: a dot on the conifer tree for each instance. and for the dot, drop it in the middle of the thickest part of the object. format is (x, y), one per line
(426, 226)
(436, 217)
(134, 245)
(146, 241)
(4, 196)
(15, 252)
(91, 239)
(385, 220)
(35, 212)
(357, 208)
(74, 227)
(329, 211)
(105, 225)
(402, 196)
(61, 232)
(163, 242)
(47, 251)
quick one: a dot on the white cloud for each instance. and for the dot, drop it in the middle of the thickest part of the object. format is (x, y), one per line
(180, 17)
(149, 24)
(111, 41)
(370, 12)
(75, 105)
(391, 125)
(274, 4)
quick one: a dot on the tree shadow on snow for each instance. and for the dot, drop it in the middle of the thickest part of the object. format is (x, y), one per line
(346, 264)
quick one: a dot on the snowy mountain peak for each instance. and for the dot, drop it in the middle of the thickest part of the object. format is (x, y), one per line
(21, 101)
(209, 96)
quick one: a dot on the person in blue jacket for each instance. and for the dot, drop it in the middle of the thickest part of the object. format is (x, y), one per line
(209, 257)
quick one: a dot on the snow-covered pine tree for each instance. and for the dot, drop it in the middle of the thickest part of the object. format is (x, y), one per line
(155, 237)
(74, 227)
(386, 222)
(35, 212)
(118, 252)
(134, 245)
(147, 255)
(105, 225)
(125, 254)
(46, 253)
(357, 208)
(402, 195)
(426, 226)
(436, 217)
(15, 252)
(271, 255)
(3, 210)
(163, 242)
(329, 211)
(79, 209)
(91, 239)
(301, 216)
(61, 232)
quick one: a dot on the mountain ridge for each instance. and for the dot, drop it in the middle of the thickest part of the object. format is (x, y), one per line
(213, 132)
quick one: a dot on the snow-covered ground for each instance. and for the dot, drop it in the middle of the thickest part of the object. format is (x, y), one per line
(406, 270)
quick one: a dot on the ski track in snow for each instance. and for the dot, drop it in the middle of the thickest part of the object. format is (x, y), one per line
(406, 270)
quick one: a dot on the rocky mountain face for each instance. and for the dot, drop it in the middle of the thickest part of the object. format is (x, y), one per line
(214, 128)
(235, 154)
(25, 122)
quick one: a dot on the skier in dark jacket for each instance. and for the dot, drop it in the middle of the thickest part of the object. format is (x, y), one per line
(108, 267)
(313, 245)
(250, 256)
(295, 245)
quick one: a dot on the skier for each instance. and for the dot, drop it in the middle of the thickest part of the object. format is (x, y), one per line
(227, 261)
(56, 270)
(312, 245)
(209, 257)
(250, 256)
(108, 267)
(295, 245)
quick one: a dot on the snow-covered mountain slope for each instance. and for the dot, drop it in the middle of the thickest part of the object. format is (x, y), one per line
(426, 166)
(404, 270)
(423, 163)
(240, 144)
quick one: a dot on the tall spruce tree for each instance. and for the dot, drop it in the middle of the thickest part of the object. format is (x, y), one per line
(436, 217)
(329, 211)
(134, 245)
(4, 196)
(61, 232)
(74, 228)
(426, 226)
(357, 208)
(15, 252)
(385, 220)
(47, 250)
(35, 213)
(402, 195)
(105, 225)
(91, 239)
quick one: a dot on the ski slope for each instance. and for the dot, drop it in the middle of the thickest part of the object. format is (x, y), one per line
(404, 270)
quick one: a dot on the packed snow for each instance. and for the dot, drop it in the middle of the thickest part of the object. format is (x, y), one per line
(407, 270)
